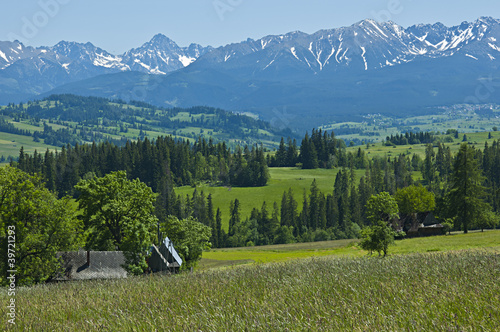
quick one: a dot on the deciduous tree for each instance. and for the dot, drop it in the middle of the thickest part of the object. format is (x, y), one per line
(41, 226)
(119, 215)
(190, 238)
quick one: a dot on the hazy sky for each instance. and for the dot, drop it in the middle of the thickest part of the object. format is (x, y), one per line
(118, 25)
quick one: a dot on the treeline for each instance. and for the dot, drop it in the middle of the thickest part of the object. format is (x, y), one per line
(319, 216)
(339, 213)
(410, 138)
(7, 127)
(153, 162)
(320, 150)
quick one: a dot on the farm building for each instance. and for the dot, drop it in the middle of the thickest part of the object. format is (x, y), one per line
(84, 265)
(165, 258)
(425, 224)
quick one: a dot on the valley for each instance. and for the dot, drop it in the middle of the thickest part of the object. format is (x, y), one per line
(346, 178)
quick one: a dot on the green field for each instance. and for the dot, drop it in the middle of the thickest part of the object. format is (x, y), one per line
(431, 291)
(282, 178)
(10, 144)
(477, 139)
(347, 248)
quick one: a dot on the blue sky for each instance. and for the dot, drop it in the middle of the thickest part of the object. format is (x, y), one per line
(118, 25)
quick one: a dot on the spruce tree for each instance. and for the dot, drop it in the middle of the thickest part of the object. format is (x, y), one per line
(218, 226)
(234, 212)
(467, 191)
(308, 155)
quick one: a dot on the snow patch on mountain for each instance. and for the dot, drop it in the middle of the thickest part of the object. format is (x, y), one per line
(363, 56)
(2, 55)
(185, 60)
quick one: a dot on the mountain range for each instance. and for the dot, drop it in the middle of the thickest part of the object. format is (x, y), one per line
(295, 79)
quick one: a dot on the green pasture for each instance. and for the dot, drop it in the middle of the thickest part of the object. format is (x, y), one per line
(282, 178)
(347, 248)
(10, 144)
(476, 139)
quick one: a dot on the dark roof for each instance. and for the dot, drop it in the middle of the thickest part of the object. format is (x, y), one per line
(164, 257)
(103, 265)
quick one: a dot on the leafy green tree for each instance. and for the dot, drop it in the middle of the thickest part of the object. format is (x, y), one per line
(284, 235)
(245, 233)
(190, 238)
(414, 199)
(41, 225)
(381, 207)
(119, 215)
(447, 226)
(377, 238)
(487, 220)
(465, 197)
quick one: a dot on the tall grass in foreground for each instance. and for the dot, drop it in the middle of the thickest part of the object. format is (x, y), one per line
(454, 291)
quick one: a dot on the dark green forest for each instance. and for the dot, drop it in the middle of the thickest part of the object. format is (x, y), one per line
(165, 163)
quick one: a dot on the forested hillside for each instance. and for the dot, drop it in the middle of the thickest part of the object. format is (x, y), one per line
(68, 119)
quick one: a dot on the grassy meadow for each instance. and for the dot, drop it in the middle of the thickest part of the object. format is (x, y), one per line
(282, 178)
(452, 291)
(476, 139)
(488, 240)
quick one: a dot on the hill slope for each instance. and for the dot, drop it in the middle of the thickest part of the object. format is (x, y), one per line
(61, 119)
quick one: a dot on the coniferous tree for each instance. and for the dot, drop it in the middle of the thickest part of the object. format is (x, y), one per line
(314, 207)
(281, 155)
(264, 224)
(308, 154)
(220, 241)
(331, 207)
(284, 213)
(234, 212)
(429, 167)
(211, 221)
(291, 153)
(467, 191)
(303, 219)
(274, 222)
